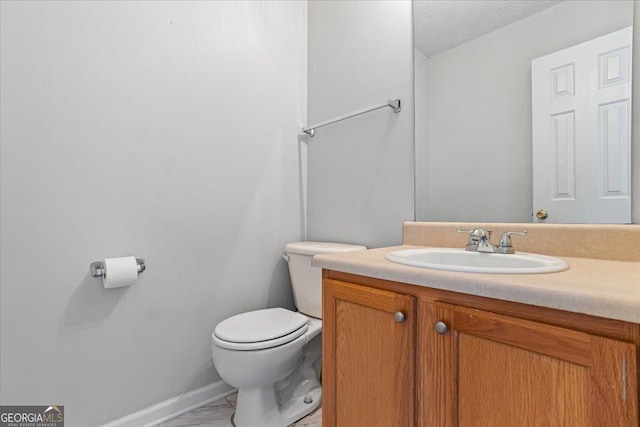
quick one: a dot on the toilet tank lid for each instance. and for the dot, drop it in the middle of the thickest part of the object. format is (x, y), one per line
(315, 248)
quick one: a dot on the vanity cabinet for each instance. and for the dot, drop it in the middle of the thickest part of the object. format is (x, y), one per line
(462, 360)
(368, 356)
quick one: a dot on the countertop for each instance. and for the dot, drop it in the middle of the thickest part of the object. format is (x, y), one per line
(597, 287)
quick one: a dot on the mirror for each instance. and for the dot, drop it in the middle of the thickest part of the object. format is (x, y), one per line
(473, 100)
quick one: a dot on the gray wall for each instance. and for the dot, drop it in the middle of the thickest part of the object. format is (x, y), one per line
(473, 148)
(165, 130)
(360, 171)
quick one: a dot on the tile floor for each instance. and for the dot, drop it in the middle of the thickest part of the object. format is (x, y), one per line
(218, 414)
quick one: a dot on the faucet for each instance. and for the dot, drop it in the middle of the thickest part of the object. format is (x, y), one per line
(480, 241)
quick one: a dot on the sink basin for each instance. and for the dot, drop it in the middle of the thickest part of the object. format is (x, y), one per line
(477, 262)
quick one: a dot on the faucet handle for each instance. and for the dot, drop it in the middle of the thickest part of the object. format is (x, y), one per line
(473, 231)
(478, 233)
(475, 236)
(505, 246)
(462, 230)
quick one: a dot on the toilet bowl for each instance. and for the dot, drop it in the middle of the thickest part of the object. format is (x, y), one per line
(277, 377)
(273, 356)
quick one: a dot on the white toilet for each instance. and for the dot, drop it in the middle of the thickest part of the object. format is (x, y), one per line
(273, 356)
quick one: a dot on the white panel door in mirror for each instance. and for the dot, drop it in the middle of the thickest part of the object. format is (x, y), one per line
(582, 131)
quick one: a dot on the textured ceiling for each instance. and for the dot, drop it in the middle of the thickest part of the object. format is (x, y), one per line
(442, 24)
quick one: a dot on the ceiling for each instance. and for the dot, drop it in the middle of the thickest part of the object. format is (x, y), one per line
(442, 24)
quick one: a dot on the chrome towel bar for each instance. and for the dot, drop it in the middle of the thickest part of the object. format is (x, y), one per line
(394, 104)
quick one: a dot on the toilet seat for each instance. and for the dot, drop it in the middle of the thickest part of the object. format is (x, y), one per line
(260, 329)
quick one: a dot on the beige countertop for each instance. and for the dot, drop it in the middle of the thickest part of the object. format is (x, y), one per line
(598, 287)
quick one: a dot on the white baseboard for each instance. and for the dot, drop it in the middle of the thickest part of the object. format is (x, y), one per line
(176, 406)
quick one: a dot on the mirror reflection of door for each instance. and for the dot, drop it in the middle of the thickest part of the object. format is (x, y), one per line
(581, 102)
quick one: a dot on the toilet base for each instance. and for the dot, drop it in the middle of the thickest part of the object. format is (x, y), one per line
(259, 407)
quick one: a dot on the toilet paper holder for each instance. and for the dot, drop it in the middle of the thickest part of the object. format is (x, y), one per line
(98, 270)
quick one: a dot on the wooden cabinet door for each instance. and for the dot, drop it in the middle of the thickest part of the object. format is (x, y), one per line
(368, 356)
(502, 371)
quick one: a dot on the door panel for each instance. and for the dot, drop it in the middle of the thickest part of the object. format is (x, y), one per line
(582, 131)
(508, 371)
(372, 374)
(497, 386)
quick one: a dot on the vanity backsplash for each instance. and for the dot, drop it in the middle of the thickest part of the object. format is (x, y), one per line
(598, 241)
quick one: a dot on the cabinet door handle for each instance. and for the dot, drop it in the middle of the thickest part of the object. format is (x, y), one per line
(398, 316)
(441, 327)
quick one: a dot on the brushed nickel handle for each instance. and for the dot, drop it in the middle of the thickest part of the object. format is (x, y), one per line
(399, 317)
(441, 327)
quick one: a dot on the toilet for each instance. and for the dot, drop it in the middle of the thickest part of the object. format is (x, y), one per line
(273, 356)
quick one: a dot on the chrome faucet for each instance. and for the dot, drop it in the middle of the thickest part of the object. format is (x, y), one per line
(480, 241)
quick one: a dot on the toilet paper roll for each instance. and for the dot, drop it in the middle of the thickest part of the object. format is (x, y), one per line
(119, 272)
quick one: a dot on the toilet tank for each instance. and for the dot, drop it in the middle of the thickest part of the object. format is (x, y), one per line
(306, 280)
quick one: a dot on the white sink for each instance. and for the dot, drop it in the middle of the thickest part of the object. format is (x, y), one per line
(477, 262)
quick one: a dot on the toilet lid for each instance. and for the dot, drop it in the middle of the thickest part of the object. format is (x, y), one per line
(261, 345)
(260, 325)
